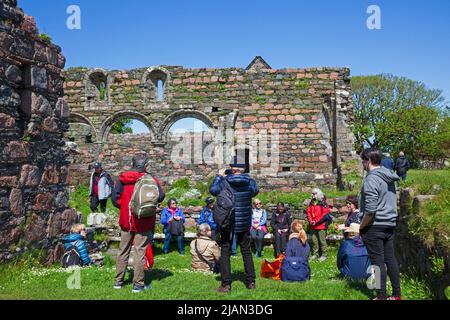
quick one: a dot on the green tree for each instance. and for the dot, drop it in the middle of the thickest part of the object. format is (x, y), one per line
(122, 127)
(375, 96)
(423, 133)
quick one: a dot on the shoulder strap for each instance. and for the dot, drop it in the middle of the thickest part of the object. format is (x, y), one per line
(199, 254)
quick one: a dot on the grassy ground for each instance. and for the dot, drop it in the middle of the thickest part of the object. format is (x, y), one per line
(172, 279)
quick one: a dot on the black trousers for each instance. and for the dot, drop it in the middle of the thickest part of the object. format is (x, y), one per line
(95, 202)
(379, 241)
(244, 240)
(280, 242)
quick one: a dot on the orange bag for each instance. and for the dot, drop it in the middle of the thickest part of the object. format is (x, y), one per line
(272, 269)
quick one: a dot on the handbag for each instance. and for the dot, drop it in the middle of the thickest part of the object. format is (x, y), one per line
(175, 227)
(272, 270)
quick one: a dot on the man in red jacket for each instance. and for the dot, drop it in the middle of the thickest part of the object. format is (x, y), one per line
(137, 230)
(316, 212)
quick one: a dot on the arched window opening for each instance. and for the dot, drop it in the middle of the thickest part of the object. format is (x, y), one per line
(160, 89)
(188, 124)
(129, 126)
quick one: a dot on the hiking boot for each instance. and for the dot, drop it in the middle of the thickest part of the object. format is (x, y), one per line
(395, 298)
(322, 258)
(137, 289)
(117, 285)
(224, 289)
(251, 286)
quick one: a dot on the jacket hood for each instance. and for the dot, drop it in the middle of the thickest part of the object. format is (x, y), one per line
(238, 180)
(385, 174)
(294, 236)
(357, 241)
(72, 237)
(130, 177)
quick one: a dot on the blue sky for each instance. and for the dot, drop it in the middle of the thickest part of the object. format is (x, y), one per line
(413, 42)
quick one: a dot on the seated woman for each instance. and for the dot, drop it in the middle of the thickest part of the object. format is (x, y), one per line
(172, 219)
(280, 223)
(75, 250)
(354, 215)
(353, 260)
(206, 216)
(258, 229)
(205, 251)
(295, 265)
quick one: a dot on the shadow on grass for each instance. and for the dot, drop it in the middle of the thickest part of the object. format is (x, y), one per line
(150, 276)
(235, 276)
(358, 285)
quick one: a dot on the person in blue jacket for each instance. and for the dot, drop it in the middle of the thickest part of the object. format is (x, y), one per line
(297, 253)
(77, 238)
(172, 213)
(206, 216)
(353, 260)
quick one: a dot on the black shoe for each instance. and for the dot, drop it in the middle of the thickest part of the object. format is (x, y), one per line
(251, 286)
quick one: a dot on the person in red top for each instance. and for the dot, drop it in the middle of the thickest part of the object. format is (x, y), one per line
(133, 230)
(317, 213)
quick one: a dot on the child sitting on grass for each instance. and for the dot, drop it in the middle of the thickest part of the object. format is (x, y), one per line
(75, 251)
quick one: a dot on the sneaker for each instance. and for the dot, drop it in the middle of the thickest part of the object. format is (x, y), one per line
(395, 298)
(322, 258)
(224, 289)
(379, 298)
(313, 257)
(117, 285)
(137, 289)
(251, 286)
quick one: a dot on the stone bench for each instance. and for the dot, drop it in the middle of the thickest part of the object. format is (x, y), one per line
(191, 236)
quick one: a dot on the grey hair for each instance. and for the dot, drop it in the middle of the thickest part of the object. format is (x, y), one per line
(203, 229)
(319, 193)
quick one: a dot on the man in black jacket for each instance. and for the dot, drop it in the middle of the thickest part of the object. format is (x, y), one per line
(402, 166)
(244, 188)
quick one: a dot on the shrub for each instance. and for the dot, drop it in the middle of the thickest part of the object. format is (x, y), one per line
(45, 37)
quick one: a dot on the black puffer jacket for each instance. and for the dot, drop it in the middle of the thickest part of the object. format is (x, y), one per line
(401, 165)
(244, 188)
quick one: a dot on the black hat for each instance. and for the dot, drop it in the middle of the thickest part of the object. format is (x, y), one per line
(97, 165)
(209, 200)
(238, 162)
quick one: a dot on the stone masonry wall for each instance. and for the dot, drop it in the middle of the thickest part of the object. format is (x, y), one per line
(33, 118)
(311, 108)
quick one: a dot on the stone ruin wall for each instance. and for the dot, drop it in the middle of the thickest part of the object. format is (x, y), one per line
(311, 108)
(33, 118)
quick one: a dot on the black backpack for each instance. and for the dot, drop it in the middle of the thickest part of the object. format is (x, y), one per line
(223, 210)
(71, 257)
(176, 228)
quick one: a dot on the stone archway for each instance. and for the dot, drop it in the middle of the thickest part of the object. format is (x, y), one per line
(109, 122)
(181, 114)
(91, 134)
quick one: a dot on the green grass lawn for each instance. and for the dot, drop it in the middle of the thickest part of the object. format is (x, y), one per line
(172, 279)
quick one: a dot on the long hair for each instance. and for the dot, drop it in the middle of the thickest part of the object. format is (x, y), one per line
(297, 227)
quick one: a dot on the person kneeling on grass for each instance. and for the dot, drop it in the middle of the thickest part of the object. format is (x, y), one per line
(75, 250)
(295, 267)
(353, 260)
(205, 251)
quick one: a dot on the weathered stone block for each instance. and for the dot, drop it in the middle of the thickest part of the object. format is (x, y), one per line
(16, 202)
(36, 229)
(6, 121)
(35, 77)
(30, 176)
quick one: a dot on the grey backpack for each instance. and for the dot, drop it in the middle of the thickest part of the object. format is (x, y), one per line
(144, 200)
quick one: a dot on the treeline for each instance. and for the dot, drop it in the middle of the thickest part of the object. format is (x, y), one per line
(398, 114)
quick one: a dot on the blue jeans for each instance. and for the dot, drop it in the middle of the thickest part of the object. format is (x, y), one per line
(234, 245)
(168, 238)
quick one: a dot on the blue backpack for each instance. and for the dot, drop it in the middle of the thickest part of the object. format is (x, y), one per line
(294, 269)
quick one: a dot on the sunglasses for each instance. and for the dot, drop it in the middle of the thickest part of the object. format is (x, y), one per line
(257, 204)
